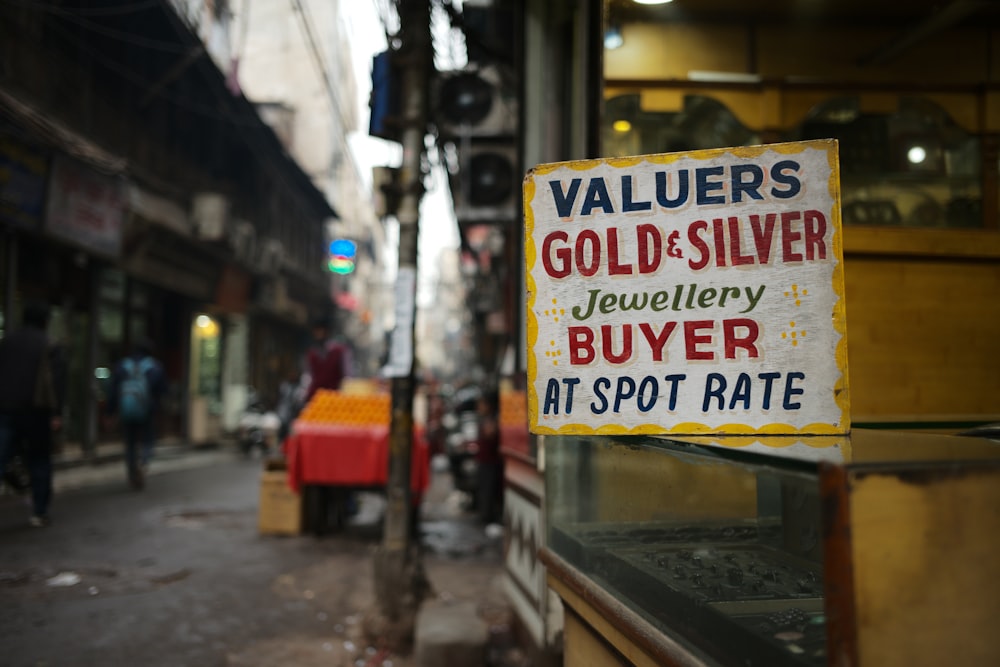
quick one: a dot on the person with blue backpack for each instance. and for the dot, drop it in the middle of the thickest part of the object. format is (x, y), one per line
(137, 385)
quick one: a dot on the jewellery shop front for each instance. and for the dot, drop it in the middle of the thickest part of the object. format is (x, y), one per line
(707, 501)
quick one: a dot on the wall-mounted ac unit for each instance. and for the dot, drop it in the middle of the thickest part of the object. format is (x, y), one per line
(475, 102)
(270, 256)
(210, 213)
(243, 240)
(486, 187)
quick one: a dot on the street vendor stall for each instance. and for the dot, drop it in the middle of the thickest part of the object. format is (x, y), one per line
(354, 456)
(340, 444)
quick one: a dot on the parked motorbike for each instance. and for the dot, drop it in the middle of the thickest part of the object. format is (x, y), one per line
(462, 440)
(257, 428)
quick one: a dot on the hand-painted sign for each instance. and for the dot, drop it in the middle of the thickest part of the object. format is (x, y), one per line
(687, 293)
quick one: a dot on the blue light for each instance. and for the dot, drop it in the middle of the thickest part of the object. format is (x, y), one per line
(343, 248)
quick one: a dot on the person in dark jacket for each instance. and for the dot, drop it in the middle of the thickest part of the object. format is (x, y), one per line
(29, 405)
(328, 361)
(489, 460)
(137, 412)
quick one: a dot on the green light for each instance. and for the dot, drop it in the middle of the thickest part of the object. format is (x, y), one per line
(340, 265)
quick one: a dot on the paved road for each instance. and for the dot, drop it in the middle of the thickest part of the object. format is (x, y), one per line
(178, 575)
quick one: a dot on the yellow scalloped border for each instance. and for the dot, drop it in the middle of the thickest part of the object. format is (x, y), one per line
(841, 387)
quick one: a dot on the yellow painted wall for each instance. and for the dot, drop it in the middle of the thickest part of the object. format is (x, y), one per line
(923, 336)
(672, 50)
(925, 568)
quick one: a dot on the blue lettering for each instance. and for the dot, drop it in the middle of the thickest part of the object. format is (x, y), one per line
(714, 392)
(741, 392)
(551, 405)
(564, 202)
(570, 384)
(683, 180)
(750, 187)
(598, 383)
(792, 391)
(597, 197)
(778, 175)
(703, 186)
(768, 379)
(674, 380)
(620, 392)
(627, 204)
(654, 388)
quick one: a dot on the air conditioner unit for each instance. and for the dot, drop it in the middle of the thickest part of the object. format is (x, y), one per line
(270, 256)
(475, 102)
(243, 240)
(487, 186)
(209, 212)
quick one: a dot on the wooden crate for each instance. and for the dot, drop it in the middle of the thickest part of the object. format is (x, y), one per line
(280, 509)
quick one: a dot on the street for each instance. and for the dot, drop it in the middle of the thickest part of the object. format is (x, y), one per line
(178, 574)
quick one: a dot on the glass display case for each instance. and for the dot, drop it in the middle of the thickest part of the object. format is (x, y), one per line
(877, 549)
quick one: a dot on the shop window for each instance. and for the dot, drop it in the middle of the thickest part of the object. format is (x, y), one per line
(206, 359)
(703, 122)
(912, 168)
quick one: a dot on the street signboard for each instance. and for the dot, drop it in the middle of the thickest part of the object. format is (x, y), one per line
(687, 293)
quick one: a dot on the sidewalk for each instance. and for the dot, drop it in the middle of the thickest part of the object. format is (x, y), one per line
(73, 455)
(74, 469)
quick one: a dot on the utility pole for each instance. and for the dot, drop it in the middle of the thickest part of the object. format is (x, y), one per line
(400, 582)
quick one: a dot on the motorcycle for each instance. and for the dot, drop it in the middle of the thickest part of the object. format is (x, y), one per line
(257, 428)
(462, 440)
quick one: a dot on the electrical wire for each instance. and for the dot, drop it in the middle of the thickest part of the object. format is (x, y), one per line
(142, 82)
(115, 10)
(92, 26)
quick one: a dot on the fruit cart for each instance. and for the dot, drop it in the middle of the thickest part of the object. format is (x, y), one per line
(340, 444)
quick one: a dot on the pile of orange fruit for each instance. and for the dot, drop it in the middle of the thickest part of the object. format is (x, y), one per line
(334, 407)
(513, 408)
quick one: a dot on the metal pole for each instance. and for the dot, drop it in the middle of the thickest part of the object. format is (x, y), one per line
(400, 583)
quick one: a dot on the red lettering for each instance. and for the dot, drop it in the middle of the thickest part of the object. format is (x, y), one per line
(615, 268)
(699, 245)
(815, 228)
(763, 239)
(607, 340)
(588, 235)
(650, 247)
(733, 341)
(581, 345)
(657, 342)
(788, 237)
(563, 254)
(692, 339)
(736, 244)
(720, 242)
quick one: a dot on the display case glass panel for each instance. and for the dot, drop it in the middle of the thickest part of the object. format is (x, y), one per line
(753, 559)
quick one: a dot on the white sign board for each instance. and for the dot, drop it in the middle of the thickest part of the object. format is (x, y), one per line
(687, 293)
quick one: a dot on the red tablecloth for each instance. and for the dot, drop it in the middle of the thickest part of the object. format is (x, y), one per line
(356, 456)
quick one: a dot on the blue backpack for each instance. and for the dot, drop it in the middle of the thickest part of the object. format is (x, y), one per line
(135, 400)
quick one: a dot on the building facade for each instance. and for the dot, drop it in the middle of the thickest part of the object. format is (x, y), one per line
(908, 92)
(145, 199)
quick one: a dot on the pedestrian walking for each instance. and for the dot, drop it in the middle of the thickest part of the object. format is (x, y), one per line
(137, 385)
(29, 409)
